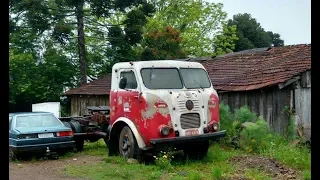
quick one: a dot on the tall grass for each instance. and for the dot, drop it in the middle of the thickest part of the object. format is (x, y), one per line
(258, 138)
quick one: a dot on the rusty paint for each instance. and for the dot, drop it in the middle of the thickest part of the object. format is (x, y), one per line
(144, 114)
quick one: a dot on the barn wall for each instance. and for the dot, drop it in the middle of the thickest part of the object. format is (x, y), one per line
(79, 103)
(303, 103)
(268, 103)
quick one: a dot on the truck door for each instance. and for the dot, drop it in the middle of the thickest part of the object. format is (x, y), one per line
(128, 96)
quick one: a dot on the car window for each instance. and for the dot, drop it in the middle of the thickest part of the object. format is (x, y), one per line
(43, 120)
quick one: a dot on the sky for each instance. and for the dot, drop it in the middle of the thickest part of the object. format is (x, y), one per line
(290, 18)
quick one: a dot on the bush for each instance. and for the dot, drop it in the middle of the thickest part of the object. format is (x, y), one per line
(244, 114)
(227, 123)
(256, 137)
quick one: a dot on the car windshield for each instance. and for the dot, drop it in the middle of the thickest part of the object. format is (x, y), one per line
(169, 78)
(43, 120)
(161, 78)
(195, 78)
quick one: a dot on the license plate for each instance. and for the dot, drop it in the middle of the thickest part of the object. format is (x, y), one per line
(45, 135)
(192, 132)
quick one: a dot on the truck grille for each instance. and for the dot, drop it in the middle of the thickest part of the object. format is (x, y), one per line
(183, 108)
(190, 120)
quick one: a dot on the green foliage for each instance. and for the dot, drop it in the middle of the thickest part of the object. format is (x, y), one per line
(289, 154)
(251, 34)
(307, 175)
(224, 43)
(217, 174)
(163, 44)
(256, 137)
(227, 123)
(32, 81)
(163, 160)
(244, 114)
(201, 24)
(291, 129)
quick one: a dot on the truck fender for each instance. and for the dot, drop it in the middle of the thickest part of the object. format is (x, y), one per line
(134, 130)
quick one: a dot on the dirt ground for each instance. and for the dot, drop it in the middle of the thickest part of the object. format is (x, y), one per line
(53, 169)
(269, 166)
(47, 169)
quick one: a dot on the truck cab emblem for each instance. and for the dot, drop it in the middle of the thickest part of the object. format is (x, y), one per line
(189, 105)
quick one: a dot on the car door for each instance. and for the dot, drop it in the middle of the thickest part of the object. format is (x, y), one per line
(128, 97)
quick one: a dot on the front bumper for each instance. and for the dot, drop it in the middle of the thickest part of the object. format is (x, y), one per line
(187, 139)
(43, 147)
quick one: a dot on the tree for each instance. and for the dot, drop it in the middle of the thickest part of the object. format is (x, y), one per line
(275, 38)
(58, 17)
(251, 34)
(32, 81)
(163, 44)
(199, 22)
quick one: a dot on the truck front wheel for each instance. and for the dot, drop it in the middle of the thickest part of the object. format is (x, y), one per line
(128, 146)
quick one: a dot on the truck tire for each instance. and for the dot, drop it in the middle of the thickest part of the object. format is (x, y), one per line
(76, 128)
(79, 143)
(128, 146)
(196, 150)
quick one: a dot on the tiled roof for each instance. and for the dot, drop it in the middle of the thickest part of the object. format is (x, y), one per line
(258, 68)
(241, 71)
(100, 86)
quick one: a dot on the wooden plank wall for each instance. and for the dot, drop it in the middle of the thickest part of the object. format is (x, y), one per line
(79, 103)
(268, 103)
(303, 103)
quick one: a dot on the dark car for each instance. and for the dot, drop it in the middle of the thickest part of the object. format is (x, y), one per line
(37, 132)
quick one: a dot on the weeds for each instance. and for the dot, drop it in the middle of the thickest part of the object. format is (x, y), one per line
(256, 138)
(163, 160)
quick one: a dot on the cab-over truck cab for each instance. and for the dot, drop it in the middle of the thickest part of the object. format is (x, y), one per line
(156, 103)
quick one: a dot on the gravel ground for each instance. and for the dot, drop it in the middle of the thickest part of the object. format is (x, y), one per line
(47, 169)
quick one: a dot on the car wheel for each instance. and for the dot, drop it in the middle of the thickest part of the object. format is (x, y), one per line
(128, 146)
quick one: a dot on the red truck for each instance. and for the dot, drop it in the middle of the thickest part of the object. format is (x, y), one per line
(153, 105)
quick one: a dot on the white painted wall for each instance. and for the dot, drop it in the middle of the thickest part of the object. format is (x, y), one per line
(53, 107)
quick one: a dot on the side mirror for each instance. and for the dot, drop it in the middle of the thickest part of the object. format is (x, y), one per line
(123, 83)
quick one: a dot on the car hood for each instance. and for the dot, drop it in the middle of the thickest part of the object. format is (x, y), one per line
(42, 129)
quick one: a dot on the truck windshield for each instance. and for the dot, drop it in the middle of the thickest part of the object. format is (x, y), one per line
(195, 78)
(169, 78)
(161, 78)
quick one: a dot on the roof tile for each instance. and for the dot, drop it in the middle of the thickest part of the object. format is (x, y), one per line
(241, 71)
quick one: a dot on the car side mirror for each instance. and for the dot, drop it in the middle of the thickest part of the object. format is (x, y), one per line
(123, 83)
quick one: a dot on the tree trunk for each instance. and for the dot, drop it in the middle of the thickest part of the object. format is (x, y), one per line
(81, 42)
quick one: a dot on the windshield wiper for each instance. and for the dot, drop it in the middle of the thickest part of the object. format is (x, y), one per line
(199, 84)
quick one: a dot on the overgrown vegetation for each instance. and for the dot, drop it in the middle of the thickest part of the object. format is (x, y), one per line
(256, 139)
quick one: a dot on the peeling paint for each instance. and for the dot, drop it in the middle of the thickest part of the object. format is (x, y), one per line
(120, 100)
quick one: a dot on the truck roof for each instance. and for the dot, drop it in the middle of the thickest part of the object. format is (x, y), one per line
(158, 63)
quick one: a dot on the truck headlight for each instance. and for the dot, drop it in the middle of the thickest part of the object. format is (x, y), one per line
(165, 130)
(215, 126)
